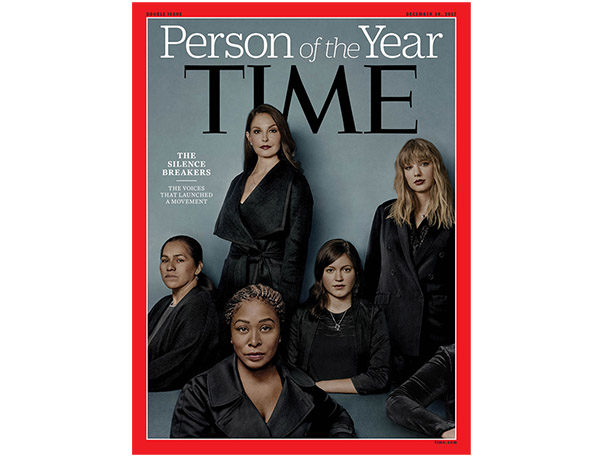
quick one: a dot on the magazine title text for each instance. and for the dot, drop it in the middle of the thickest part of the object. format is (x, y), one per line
(375, 42)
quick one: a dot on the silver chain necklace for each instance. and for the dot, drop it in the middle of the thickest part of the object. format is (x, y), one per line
(337, 325)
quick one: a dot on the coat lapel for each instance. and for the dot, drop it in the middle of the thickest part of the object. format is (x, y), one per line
(270, 201)
(242, 415)
(402, 231)
(229, 225)
(292, 407)
(226, 395)
(433, 241)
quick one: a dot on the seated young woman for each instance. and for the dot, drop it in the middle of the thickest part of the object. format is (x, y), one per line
(340, 340)
(251, 394)
(407, 405)
(183, 326)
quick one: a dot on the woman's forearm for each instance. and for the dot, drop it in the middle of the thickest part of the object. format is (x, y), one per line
(339, 386)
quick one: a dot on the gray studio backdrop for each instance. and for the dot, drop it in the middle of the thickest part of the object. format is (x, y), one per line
(349, 174)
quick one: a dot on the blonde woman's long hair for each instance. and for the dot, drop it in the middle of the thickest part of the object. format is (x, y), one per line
(441, 208)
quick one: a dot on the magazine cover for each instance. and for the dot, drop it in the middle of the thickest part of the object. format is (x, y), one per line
(301, 229)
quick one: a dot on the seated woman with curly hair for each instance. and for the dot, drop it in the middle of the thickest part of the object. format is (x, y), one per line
(251, 394)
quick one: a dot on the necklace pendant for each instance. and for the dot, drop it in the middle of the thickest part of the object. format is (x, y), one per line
(336, 324)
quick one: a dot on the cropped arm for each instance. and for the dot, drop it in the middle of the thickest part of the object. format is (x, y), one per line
(407, 404)
(194, 342)
(342, 386)
(331, 419)
(373, 259)
(293, 341)
(376, 378)
(192, 418)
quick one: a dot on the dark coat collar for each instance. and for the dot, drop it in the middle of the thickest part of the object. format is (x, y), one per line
(434, 240)
(270, 200)
(226, 393)
(194, 294)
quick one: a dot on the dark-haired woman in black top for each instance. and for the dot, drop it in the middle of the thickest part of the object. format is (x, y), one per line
(338, 339)
(183, 326)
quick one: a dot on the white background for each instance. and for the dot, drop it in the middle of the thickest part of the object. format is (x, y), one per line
(65, 334)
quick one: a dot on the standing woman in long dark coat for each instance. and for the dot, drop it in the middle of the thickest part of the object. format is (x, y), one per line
(267, 212)
(409, 267)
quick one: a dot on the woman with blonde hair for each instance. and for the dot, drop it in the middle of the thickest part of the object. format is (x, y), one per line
(409, 268)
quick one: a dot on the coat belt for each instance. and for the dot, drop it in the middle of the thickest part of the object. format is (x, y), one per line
(248, 255)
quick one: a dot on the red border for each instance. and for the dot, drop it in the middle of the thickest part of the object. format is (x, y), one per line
(139, 206)
(140, 444)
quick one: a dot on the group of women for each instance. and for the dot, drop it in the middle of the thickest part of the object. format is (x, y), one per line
(357, 331)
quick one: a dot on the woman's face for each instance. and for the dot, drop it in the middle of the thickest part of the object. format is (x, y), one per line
(177, 266)
(264, 136)
(339, 278)
(419, 175)
(255, 334)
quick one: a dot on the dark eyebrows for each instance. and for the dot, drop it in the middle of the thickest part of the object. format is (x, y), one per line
(248, 322)
(257, 127)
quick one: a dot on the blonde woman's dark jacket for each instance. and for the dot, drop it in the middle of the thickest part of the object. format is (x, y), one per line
(371, 343)
(413, 292)
(269, 233)
(214, 404)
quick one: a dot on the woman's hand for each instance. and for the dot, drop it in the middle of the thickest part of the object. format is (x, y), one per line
(449, 433)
